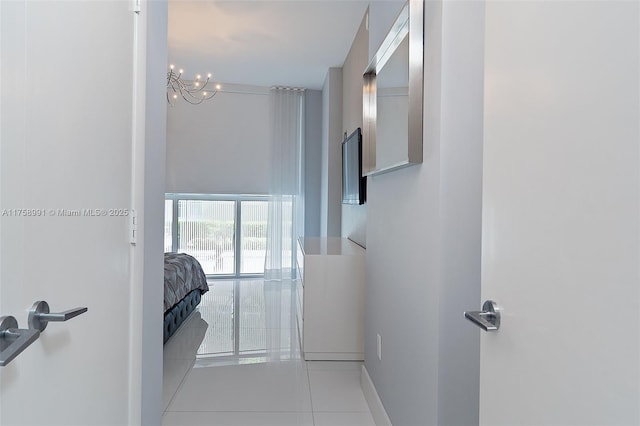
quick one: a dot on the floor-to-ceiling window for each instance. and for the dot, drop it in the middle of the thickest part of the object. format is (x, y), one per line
(226, 233)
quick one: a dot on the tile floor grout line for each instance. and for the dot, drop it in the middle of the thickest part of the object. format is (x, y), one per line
(179, 385)
(313, 416)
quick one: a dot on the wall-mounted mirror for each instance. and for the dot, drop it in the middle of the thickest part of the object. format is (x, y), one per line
(392, 95)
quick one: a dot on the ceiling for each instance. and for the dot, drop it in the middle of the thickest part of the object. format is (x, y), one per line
(262, 43)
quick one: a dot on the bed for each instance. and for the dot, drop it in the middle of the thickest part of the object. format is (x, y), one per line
(184, 285)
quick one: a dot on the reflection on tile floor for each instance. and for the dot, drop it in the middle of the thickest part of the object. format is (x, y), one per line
(247, 369)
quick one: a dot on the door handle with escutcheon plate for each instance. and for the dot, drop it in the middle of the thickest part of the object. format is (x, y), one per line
(39, 315)
(488, 318)
(14, 340)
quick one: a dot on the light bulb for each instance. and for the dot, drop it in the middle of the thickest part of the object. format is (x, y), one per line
(172, 66)
(181, 71)
(197, 84)
(218, 87)
(204, 93)
(209, 75)
(198, 77)
(175, 96)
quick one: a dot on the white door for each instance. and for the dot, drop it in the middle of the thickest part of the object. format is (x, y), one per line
(561, 216)
(65, 148)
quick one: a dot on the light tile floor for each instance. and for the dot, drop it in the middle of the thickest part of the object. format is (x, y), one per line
(247, 369)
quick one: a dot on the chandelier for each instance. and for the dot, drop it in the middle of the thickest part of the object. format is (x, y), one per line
(193, 92)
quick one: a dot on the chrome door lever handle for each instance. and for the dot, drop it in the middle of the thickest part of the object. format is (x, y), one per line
(14, 340)
(39, 315)
(488, 318)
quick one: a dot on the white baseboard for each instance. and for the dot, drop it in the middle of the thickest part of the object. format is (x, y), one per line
(378, 412)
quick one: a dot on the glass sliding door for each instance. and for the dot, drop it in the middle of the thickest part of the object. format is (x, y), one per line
(226, 233)
(206, 231)
(253, 236)
(168, 225)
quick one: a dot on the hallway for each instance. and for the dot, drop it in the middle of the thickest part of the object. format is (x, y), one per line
(247, 369)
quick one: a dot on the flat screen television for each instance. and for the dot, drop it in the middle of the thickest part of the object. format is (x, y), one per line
(354, 185)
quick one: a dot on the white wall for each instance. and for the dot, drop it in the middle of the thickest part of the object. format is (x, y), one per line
(312, 162)
(222, 145)
(403, 265)
(331, 173)
(354, 217)
(423, 239)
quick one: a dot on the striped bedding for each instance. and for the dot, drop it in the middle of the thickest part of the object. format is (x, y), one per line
(182, 274)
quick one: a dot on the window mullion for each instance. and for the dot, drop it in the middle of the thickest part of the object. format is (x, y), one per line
(174, 227)
(238, 239)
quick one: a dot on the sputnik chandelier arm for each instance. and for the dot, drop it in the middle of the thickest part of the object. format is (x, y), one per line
(193, 92)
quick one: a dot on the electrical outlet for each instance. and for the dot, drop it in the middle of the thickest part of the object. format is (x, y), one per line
(379, 347)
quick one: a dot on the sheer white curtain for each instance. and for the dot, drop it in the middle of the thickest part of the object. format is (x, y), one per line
(286, 207)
